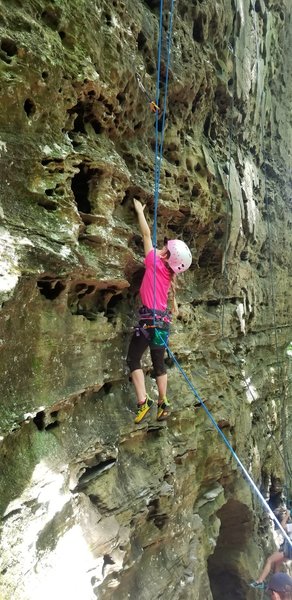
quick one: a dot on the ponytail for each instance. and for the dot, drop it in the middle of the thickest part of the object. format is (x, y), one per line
(174, 307)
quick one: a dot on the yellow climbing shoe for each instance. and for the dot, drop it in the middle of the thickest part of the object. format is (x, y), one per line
(163, 410)
(143, 409)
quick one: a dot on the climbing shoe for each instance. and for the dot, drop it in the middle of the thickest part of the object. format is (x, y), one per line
(163, 410)
(257, 585)
(143, 409)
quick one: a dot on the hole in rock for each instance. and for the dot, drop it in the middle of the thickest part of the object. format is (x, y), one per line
(39, 420)
(107, 387)
(50, 288)
(82, 289)
(213, 302)
(86, 113)
(207, 125)
(226, 580)
(54, 421)
(80, 188)
(257, 6)
(45, 74)
(8, 46)
(159, 518)
(222, 99)
(29, 107)
(95, 500)
(141, 40)
(52, 161)
(152, 3)
(198, 29)
(92, 472)
(87, 301)
(108, 19)
(244, 255)
(138, 126)
(96, 126)
(51, 18)
(62, 34)
(111, 308)
(150, 67)
(79, 109)
(195, 191)
(107, 560)
(218, 234)
(59, 190)
(121, 98)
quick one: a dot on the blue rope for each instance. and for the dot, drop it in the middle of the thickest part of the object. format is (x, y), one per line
(227, 443)
(159, 148)
(156, 170)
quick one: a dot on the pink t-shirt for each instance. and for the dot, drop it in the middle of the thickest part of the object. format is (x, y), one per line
(163, 280)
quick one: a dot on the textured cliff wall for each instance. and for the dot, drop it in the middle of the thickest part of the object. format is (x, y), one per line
(93, 506)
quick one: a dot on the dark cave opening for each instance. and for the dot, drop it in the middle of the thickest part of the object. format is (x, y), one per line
(39, 420)
(226, 580)
(80, 189)
(29, 107)
(198, 29)
(94, 471)
(155, 514)
(51, 17)
(8, 46)
(50, 288)
(112, 306)
(153, 4)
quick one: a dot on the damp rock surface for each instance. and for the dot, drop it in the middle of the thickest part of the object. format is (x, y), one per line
(91, 505)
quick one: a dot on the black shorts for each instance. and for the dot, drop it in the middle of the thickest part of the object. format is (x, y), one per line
(138, 344)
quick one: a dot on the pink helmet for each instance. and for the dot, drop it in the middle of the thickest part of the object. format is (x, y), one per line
(180, 257)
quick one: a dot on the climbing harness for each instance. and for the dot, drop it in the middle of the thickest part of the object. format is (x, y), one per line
(158, 161)
(156, 333)
(152, 104)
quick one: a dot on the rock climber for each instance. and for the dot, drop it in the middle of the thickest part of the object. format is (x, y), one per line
(277, 558)
(175, 257)
(280, 587)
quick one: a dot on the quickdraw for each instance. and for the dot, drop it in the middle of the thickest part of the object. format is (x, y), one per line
(152, 104)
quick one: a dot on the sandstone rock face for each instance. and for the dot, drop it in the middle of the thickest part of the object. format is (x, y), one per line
(93, 506)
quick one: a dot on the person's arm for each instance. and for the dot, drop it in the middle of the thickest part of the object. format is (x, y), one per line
(144, 227)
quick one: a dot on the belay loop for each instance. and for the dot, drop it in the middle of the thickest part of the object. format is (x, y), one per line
(154, 325)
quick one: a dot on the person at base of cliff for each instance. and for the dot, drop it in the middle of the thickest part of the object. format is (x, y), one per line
(174, 258)
(277, 558)
(280, 587)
